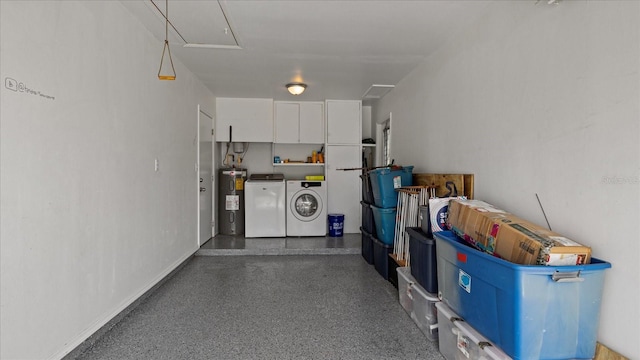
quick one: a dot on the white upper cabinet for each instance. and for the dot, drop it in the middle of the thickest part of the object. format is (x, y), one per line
(344, 122)
(312, 123)
(299, 122)
(251, 120)
(286, 122)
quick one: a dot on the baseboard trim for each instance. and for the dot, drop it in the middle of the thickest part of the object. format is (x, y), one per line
(272, 252)
(88, 343)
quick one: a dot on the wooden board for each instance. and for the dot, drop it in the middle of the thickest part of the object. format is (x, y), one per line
(604, 353)
(468, 185)
(447, 184)
(401, 263)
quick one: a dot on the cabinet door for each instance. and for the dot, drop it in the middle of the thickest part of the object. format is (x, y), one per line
(344, 122)
(312, 123)
(250, 119)
(286, 122)
(344, 187)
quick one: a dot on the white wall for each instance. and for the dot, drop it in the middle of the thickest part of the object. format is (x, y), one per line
(541, 99)
(257, 158)
(367, 127)
(87, 224)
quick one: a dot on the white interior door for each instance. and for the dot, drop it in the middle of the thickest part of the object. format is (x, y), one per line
(206, 178)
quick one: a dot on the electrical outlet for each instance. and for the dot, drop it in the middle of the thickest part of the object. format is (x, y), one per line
(157, 165)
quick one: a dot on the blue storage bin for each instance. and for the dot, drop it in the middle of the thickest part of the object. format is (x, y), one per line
(385, 221)
(423, 259)
(381, 258)
(367, 246)
(384, 182)
(529, 311)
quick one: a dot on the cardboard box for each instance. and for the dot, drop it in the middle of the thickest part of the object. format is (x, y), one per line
(507, 236)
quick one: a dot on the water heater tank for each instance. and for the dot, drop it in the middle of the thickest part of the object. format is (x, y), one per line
(231, 200)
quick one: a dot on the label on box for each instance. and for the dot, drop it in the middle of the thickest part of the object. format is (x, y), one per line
(397, 182)
(490, 210)
(463, 344)
(563, 259)
(564, 241)
(480, 205)
(464, 280)
(232, 202)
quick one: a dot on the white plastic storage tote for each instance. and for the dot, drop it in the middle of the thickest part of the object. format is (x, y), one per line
(457, 340)
(424, 312)
(405, 282)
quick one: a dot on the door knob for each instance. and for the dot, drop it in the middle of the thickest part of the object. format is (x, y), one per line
(203, 189)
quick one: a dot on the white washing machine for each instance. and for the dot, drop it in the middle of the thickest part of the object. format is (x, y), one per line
(306, 208)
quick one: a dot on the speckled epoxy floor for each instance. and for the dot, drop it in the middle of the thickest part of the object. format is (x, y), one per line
(269, 307)
(310, 245)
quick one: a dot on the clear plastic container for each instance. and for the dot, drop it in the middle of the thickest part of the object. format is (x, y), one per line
(424, 311)
(405, 282)
(459, 341)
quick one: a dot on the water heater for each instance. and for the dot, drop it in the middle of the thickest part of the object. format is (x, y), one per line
(231, 200)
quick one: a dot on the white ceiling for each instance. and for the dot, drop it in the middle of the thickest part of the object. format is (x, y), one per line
(338, 48)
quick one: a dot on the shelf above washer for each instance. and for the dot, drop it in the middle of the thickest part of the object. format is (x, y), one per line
(298, 164)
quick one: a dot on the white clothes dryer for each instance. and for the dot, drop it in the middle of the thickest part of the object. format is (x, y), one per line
(306, 208)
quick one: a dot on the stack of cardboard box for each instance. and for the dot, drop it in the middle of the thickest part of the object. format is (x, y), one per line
(507, 236)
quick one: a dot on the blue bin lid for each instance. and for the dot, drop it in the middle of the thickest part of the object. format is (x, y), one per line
(388, 170)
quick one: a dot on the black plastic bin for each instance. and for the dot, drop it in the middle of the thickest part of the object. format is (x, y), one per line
(423, 259)
(367, 191)
(367, 246)
(393, 272)
(367, 218)
(381, 258)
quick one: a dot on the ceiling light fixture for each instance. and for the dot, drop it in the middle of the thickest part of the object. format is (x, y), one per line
(296, 88)
(166, 47)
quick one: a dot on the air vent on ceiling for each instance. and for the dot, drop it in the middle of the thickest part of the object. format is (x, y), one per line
(377, 91)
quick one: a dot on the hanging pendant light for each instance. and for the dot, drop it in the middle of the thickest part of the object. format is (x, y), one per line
(166, 48)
